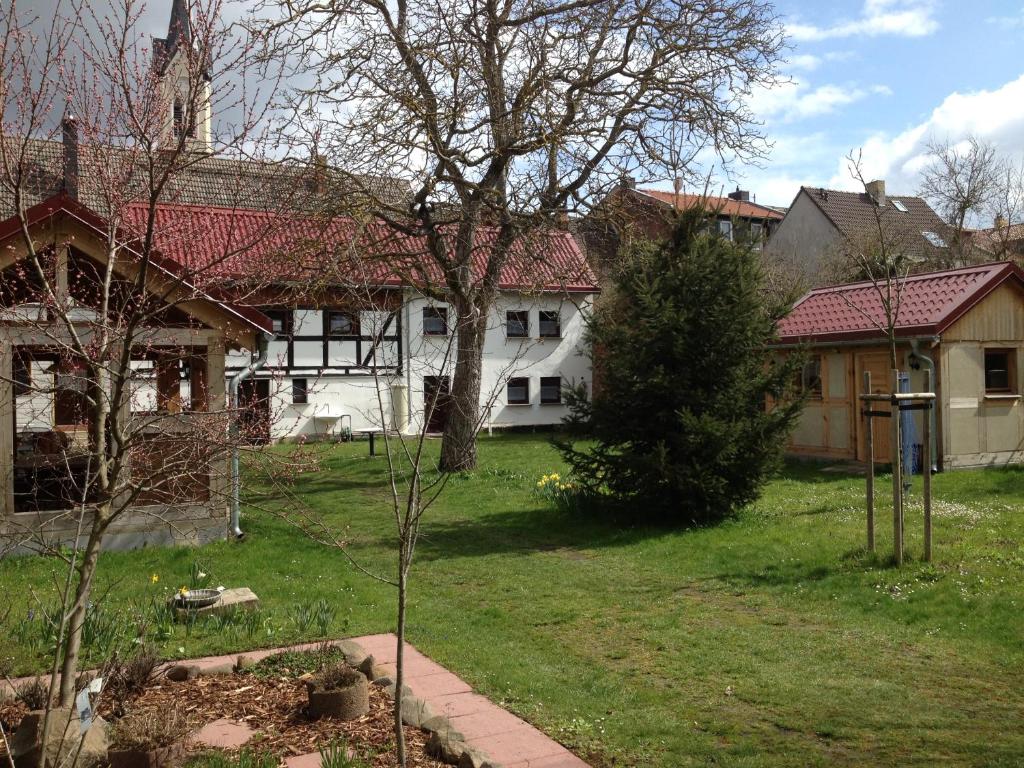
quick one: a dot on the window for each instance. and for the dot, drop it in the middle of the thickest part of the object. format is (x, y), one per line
(1000, 378)
(517, 324)
(810, 378)
(519, 391)
(550, 325)
(435, 321)
(342, 324)
(725, 229)
(281, 320)
(300, 391)
(551, 389)
(934, 239)
(179, 120)
(21, 376)
(899, 206)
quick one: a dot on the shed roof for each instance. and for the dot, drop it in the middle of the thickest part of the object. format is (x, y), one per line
(929, 303)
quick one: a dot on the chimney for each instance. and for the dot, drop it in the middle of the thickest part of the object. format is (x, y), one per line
(69, 138)
(876, 191)
(1001, 221)
(740, 194)
(626, 181)
(562, 218)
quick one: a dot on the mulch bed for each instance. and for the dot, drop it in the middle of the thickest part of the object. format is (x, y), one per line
(275, 708)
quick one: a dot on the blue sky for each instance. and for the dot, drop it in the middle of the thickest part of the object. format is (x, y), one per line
(884, 76)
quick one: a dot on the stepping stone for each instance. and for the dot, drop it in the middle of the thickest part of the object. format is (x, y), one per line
(224, 734)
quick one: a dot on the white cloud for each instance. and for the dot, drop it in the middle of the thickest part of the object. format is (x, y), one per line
(996, 116)
(902, 18)
(795, 100)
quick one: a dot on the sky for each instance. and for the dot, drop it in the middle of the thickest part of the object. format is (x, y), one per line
(883, 77)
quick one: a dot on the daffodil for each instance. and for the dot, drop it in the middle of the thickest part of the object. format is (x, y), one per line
(154, 578)
(183, 591)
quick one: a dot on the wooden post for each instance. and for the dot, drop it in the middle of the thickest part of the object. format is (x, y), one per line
(926, 467)
(897, 478)
(7, 427)
(869, 441)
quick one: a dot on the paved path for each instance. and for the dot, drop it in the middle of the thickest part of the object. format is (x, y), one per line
(496, 732)
(499, 734)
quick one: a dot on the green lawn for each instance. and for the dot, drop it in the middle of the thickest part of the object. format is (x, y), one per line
(770, 640)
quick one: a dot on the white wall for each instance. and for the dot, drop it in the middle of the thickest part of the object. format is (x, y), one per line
(804, 242)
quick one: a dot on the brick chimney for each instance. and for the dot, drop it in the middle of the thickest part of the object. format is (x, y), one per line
(876, 191)
(69, 138)
(740, 194)
(626, 181)
(1001, 221)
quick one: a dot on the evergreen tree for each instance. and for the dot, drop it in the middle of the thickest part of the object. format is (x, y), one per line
(678, 423)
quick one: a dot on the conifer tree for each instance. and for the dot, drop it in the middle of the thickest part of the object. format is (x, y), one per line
(691, 408)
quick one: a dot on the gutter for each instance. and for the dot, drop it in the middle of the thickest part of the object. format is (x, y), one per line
(855, 342)
(263, 345)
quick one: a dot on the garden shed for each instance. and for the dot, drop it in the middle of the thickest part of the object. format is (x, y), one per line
(177, 415)
(965, 324)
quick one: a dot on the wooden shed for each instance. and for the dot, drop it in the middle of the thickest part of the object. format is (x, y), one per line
(965, 324)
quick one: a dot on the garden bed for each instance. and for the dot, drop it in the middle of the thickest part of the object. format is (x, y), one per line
(270, 699)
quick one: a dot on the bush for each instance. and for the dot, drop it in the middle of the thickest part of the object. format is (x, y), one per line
(150, 729)
(683, 374)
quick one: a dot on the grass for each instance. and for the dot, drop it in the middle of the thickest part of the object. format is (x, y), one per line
(773, 639)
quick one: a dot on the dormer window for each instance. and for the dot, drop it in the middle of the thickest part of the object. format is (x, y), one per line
(899, 206)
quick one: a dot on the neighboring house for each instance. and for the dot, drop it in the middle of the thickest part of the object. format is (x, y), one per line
(628, 213)
(1003, 241)
(823, 228)
(263, 218)
(44, 416)
(967, 323)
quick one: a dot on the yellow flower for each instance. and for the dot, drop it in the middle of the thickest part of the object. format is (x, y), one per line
(555, 476)
(154, 578)
(183, 591)
(540, 483)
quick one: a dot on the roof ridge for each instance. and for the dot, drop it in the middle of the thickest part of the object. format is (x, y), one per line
(988, 266)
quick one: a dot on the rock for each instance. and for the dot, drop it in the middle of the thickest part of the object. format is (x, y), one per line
(415, 711)
(179, 673)
(224, 668)
(472, 759)
(389, 689)
(379, 672)
(354, 653)
(231, 600)
(365, 666)
(436, 723)
(62, 742)
(446, 746)
(387, 683)
(245, 662)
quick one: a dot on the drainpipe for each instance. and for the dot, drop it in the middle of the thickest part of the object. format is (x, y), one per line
(916, 353)
(263, 352)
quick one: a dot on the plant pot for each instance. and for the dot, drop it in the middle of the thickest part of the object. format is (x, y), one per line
(159, 757)
(347, 703)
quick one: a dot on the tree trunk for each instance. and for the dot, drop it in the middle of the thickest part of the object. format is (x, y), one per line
(400, 657)
(458, 446)
(73, 644)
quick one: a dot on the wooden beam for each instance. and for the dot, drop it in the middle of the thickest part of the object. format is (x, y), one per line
(926, 469)
(6, 433)
(897, 479)
(870, 448)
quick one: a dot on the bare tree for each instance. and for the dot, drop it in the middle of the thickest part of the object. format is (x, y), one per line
(961, 180)
(1005, 212)
(98, 328)
(509, 113)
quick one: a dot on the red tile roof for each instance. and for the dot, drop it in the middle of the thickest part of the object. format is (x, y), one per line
(233, 243)
(726, 206)
(928, 304)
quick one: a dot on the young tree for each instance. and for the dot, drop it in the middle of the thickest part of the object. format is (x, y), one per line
(508, 114)
(680, 412)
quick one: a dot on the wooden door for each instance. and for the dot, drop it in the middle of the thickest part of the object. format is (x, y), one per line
(878, 365)
(254, 410)
(435, 401)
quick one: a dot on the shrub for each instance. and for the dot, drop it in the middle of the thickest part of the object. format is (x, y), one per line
(150, 729)
(683, 374)
(336, 677)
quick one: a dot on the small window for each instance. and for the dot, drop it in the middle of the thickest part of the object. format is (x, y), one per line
(342, 324)
(551, 389)
(300, 391)
(21, 376)
(1000, 372)
(550, 325)
(281, 320)
(934, 239)
(810, 378)
(899, 206)
(517, 324)
(435, 321)
(725, 229)
(179, 117)
(519, 391)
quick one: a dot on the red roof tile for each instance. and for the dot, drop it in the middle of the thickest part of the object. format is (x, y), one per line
(726, 206)
(233, 243)
(928, 304)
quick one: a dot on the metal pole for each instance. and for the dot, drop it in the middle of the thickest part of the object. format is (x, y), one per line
(897, 479)
(869, 440)
(926, 468)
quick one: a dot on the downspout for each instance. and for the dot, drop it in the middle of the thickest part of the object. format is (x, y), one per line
(263, 352)
(915, 352)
